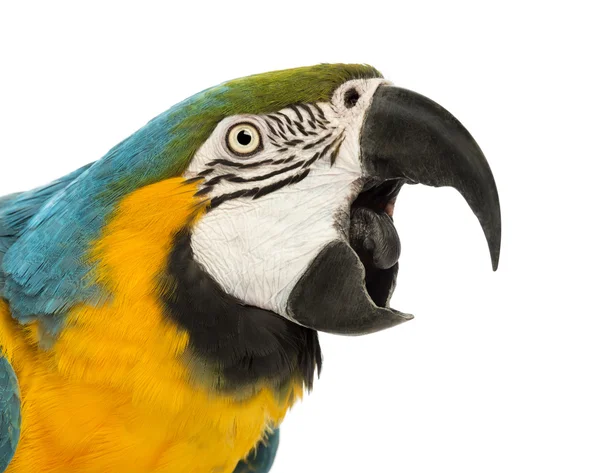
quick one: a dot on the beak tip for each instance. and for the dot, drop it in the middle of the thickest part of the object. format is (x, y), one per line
(402, 317)
(495, 259)
(493, 235)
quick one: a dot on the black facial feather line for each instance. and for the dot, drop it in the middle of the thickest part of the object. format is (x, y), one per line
(248, 346)
(279, 124)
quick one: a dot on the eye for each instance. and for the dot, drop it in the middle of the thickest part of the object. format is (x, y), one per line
(351, 97)
(243, 139)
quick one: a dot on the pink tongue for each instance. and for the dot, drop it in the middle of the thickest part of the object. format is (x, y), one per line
(389, 208)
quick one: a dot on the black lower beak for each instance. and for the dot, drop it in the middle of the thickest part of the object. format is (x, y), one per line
(409, 137)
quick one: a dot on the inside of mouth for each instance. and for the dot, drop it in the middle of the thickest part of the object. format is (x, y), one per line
(379, 196)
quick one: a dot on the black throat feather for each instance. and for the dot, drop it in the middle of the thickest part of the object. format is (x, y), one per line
(243, 346)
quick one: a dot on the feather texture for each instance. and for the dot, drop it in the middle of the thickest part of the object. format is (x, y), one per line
(16, 211)
(10, 413)
(115, 391)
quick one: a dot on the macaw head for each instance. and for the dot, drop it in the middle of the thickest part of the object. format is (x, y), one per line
(301, 191)
(298, 171)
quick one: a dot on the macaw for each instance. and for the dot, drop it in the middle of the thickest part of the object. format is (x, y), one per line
(159, 307)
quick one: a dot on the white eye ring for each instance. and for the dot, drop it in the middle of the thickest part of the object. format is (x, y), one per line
(243, 139)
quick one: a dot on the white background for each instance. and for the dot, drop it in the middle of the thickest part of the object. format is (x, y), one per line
(499, 371)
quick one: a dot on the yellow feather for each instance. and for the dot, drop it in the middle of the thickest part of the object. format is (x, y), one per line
(115, 392)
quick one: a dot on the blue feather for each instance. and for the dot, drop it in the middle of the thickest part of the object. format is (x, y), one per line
(10, 413)
(44, 267)
(16, 210)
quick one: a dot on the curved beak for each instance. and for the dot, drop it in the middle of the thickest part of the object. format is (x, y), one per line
(406, 138)
(409, 137)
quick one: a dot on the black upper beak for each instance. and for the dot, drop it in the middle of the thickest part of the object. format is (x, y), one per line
(409, 137)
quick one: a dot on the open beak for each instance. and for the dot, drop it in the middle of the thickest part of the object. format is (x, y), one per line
(406, 139)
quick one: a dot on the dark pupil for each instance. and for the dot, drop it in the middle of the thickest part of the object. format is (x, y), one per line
(244, 137)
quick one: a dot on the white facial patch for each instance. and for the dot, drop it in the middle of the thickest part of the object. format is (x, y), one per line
(273, 210)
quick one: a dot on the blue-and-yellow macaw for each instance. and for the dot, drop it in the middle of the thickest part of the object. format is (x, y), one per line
(159, 307)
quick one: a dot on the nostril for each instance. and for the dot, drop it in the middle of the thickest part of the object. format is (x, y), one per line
(351, 97)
